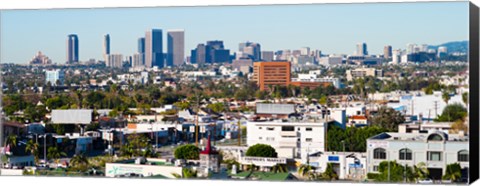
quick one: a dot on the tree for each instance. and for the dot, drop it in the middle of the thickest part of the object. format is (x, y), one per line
(261, 150)
(453, 172)
(393, 172)
(32, 147)
(445, 96)
(420, 171)
(216, 107)
(387, 118)
(465, 98)
(182, 105)
(188, 151)
(136, 142)
(79, 159)
(306, 171)
(11, 141)
(279, 168)
(329, 173)
(458, 125)
(55, 154)
(452, 112)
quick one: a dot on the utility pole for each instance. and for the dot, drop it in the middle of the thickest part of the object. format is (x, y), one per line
(412, 107)
(436, 107)
(196, 118)
(239, 136)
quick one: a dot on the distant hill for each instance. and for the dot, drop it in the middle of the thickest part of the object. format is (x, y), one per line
(453, 46)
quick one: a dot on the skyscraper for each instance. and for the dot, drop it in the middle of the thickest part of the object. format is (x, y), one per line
(175, 47)
(267, 55)
(362, 49)
(141, 45)
(251, 49)
(199, 55)
(154, 48)
(106, 46)
(72, 48)
(216, 53)
(387, 52)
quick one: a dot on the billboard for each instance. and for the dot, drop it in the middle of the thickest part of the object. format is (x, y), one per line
(72, 116)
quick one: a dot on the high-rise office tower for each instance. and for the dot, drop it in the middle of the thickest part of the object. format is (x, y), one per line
(387, 52)
(362, 49)
(252, 49)
(72, 48)
(141, 45)
(175, 47)
(106, 46)
(411, 48)
(305, 51)
(216, 53)
(140, 55)
(114, 60)
(199, 54)
(267, 55)
(154, 48)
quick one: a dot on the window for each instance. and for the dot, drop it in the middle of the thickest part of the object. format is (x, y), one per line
(463, 156)
(435, 137)
(375, 168)
(260, 128)
(260, 138)
(308, 139)
(308, 129)
(434, 156)
(288, 128)
(405, 154)
(270, 128)
(379, 153)
(270, 139)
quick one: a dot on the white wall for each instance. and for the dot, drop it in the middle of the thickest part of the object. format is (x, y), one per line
(113, 169)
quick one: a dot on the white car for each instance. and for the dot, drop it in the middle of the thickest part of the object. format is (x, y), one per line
(426, 181)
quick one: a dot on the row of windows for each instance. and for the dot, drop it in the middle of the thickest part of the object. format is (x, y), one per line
(273, 139)
(287, 128)
(406, 154)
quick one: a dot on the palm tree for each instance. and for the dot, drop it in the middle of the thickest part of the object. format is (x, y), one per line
(420, 171)
(446, 96)
(279, 168)
(189, 173)
(79, 159)
(306, 170)
(32, 147)
(453, 172)
(54, 153)
(11, 140)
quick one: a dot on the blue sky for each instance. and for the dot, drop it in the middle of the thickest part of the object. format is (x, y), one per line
(332, 28)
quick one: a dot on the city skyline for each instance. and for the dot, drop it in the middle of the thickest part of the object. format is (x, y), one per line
(344, 30)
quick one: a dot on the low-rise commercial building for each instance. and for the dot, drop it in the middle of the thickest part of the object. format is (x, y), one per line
(436, 149)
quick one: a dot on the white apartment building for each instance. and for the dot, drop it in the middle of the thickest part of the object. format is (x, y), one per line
(436, 149)
(291, 139)
(363, 72)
